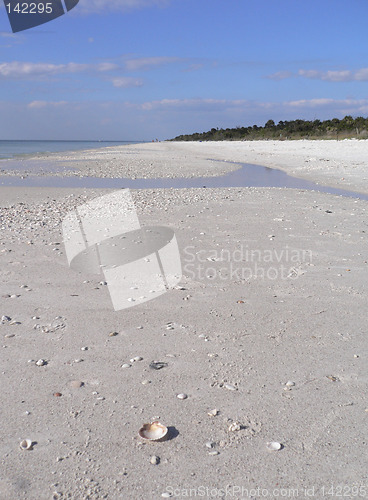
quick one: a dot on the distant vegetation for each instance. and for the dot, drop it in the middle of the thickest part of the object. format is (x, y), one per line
(348, 127)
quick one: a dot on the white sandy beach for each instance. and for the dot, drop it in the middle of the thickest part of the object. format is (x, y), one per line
(274, 290)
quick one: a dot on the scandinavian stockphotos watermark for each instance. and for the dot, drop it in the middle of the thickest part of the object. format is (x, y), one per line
(27, 14)
(104, 237)
(245, 263)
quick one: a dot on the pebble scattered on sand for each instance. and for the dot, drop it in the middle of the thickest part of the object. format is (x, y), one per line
(155, 460)
(214, 452)
(213, 413)
(126, 365)
(182, 396)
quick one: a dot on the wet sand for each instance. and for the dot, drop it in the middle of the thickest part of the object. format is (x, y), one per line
(274, 290)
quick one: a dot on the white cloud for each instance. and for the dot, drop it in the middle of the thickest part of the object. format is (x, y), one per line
(18, 70)
(280, 75)
(322, 102)
(126, 82)
(46, 104)
(336, 76)
(101, 6)
(148, 62)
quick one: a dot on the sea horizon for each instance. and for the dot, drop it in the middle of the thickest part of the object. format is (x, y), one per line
(15, 148)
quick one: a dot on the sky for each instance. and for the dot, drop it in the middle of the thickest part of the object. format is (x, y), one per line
(147, 69)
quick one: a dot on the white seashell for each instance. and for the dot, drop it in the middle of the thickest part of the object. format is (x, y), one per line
(213, 413)
(26, 444)
(274, 446)
(214, 452)
(155, 460)
(41, 362)
(230, 387)
(182, 396)
(166, 495)
(290, 384)
(235, 426)
(153, 432)
(126, 365)
(137, 358)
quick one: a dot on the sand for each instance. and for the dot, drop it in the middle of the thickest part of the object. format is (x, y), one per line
(274, 290)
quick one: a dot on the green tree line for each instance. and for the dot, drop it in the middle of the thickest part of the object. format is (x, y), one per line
(347, 127)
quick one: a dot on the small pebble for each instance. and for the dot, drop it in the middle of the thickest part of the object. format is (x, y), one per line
(213, 413)
(41, 362)
(155, 460)
(10, 335)
(113, 334)
(182, 396)
(214, 452)
(209, 444)
(84, 348)
(78, 360)
(57, 394)
(126, 365)
(146, 382)
(166, 495)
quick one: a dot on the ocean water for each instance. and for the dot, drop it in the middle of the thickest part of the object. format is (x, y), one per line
(15, 149)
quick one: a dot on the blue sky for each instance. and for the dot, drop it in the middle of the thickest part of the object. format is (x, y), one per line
(145, 69)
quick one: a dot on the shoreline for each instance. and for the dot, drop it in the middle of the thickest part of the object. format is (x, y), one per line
(339, 164)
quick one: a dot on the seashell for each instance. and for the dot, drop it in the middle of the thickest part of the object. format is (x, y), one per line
(230, 387)
(153, 432)
(274, 446)
(26, 444)
(41, 362)
(213, 413)
(155, 460)
(136, 358)
(157, 365)
(76, 384)
(235, 426)
(182, 396)
(290, 383)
